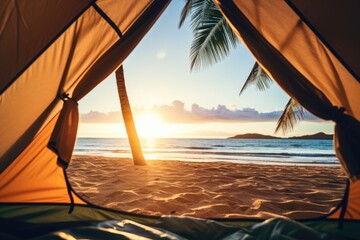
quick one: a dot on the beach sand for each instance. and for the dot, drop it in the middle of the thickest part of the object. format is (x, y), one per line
(207, 189)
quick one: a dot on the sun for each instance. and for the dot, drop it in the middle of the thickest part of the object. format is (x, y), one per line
(149, 125)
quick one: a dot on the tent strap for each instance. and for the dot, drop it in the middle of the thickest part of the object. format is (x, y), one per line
(69, 190)
(344, 204)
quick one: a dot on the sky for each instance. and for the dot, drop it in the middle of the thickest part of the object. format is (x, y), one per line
(170, 101)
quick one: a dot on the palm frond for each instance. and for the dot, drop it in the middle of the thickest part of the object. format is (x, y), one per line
(213, 38)
(200, 11)
(291, 115)
(185, 12)
(258, 77)
(196, 9)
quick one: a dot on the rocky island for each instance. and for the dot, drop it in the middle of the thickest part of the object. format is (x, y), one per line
(316, 136)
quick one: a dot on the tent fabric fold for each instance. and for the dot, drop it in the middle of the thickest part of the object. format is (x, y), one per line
(346, 143)
(62, 141)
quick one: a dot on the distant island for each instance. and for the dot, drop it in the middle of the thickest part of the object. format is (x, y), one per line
(316, 136)
(253, 136)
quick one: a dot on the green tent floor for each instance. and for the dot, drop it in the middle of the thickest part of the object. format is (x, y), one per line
(52, 221)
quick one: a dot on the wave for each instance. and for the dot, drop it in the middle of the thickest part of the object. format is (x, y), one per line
(225, 153)
(260, 151)
(199, 148)
(254, 154)
(332, 162)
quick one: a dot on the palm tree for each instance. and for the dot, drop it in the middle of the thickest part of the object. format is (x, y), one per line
(213, 40)
(292, 113)
(134, 142)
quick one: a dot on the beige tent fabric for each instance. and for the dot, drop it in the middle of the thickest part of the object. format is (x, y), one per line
(76, 57)
(306, 69)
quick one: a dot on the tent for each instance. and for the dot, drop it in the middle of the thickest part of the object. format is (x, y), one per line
(52, 53)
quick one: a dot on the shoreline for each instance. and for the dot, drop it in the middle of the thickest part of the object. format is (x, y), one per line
(212, 160)
(207, 189)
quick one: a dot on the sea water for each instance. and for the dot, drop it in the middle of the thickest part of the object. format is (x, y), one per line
(258, 151)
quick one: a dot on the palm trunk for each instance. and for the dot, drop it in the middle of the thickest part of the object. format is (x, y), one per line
(134, 142)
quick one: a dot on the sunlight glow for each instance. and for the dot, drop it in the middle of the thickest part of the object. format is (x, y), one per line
(150, 125)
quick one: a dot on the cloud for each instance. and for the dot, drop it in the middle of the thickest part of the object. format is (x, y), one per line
(161, 54)
(100, 117)
(176, 113)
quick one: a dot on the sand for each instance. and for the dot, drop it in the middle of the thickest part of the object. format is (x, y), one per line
(207, 189)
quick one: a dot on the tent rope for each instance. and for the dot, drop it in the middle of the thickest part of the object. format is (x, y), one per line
(344, 204)
(68, 186)
(64, 97)
(338, 113)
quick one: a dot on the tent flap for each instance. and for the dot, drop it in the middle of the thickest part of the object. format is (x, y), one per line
(48, 48)
(305, 68)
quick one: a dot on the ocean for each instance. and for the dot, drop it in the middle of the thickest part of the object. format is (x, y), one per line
(258, 151)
